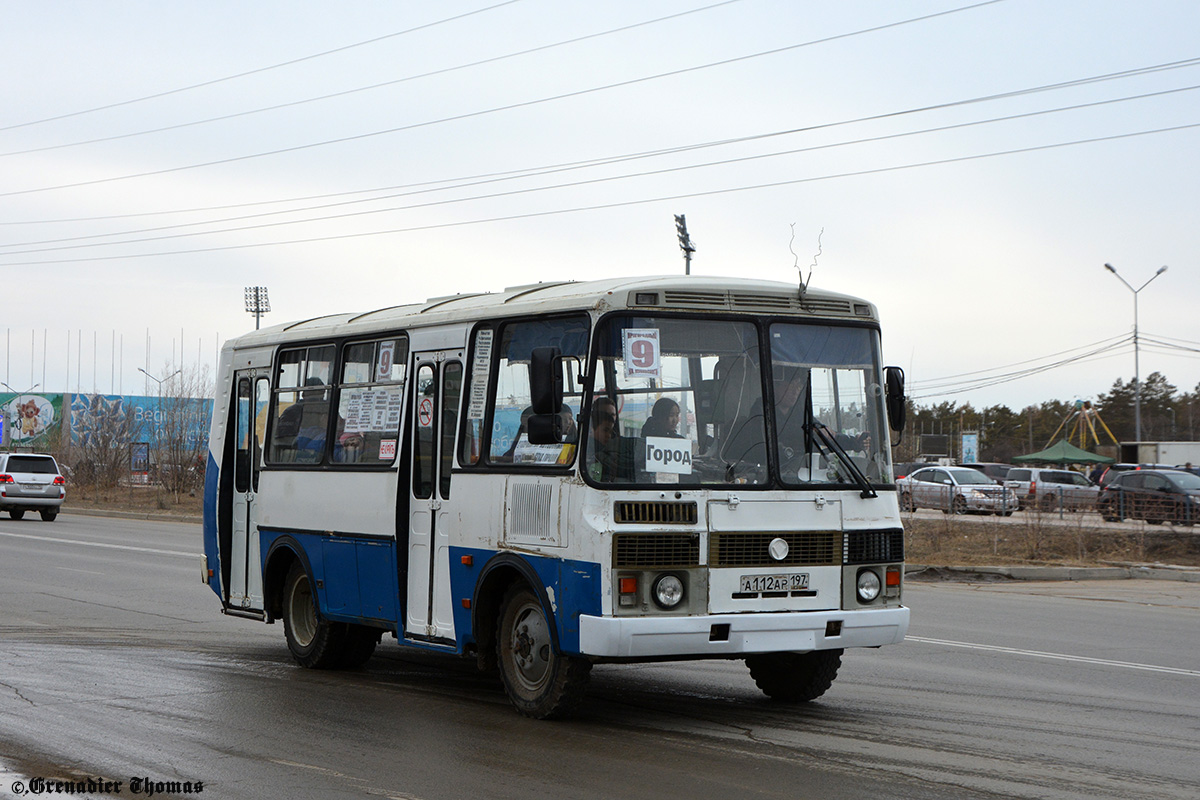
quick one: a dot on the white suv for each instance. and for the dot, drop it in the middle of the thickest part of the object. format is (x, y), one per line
(31, 482)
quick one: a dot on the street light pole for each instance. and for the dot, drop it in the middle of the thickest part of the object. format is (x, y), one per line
(1137, 381)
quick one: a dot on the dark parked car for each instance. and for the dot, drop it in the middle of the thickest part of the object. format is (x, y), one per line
(995, 471)
(1155, 495)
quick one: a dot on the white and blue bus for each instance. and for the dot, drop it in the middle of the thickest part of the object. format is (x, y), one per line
(566, 474)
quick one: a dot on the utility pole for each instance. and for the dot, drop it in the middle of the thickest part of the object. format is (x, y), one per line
(685, 243)
(1137, 378)
(257, 302)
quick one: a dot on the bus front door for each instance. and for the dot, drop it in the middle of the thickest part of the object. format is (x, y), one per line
(245, 574)
(429, 612)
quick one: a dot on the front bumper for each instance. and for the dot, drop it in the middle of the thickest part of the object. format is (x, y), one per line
(706, 636)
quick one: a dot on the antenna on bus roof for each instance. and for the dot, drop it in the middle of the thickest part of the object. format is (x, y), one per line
(796, 259)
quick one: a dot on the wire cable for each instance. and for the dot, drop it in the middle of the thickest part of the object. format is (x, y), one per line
(479, 179)
(257, 70)
(513, 192)
(508, 107)
(618, 204)
(356, 90)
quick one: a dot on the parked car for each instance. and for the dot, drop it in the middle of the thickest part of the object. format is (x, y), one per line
(1154, 495)
(31, 482)
(954, 490)
(996, 471)
(1052, 489)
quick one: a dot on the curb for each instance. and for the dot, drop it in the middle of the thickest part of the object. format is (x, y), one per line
(928, 572)
(96, 512)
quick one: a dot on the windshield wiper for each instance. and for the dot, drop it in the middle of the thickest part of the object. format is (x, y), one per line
(818, 433)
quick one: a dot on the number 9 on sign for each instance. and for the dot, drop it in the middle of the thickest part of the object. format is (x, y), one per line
(642, 354)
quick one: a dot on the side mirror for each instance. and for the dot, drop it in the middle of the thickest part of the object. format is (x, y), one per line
(546, 396)
(546, 380)
(897, 407)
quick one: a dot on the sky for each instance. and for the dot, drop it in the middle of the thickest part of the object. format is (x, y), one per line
(968, 167)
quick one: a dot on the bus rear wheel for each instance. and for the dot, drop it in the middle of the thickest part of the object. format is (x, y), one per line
(314, 642)
(795, 677)
(540, 682)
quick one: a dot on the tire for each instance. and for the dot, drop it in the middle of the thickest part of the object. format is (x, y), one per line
(17, 513)
(314, 642)
(906, 502)
(540, 682)
(1048, 504)
(49, 515)
(795, 677)
(959, 506)
(358, 646)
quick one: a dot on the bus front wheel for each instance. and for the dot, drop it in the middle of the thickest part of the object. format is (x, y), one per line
(795, 677)
(540, 682)
(315, 643)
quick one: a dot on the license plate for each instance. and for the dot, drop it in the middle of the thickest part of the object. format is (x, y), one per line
(791, 582)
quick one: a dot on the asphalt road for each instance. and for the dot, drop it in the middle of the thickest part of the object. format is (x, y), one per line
(115, 663)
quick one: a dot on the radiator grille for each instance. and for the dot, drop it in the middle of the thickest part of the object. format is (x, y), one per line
(656, 550)
(656, 512)
(874, 547)
(810, 548)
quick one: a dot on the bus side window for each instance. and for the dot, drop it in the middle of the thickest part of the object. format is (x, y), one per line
(301, 405)
(423, 468)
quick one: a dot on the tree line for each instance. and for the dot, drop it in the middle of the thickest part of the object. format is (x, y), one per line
(1168, 415)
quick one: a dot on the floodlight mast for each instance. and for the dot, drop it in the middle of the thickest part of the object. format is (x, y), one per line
(1137, 381)
(685, 243)
(257, 303)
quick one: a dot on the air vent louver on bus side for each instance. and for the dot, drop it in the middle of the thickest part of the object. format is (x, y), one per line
(656, 513)
(816, 548)
(656, 550)
(874, 547)
(695, 299)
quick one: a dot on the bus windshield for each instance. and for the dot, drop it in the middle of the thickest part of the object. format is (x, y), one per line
(681, 400)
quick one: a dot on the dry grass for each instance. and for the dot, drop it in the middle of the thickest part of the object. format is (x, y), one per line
(134, 500)
(1034, 538)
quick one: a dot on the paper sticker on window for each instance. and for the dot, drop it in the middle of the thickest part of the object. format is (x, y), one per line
(668, 454)
(387, 449)
(642, 358)
(383, 368)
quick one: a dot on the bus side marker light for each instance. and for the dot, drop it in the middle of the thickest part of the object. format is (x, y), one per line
(468, 560)
(466, 602)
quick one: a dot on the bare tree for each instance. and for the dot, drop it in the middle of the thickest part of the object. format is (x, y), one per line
(179, 435)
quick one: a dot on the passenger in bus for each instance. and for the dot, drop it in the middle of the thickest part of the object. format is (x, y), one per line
(604, 453)
(664, 419)
(304, 424)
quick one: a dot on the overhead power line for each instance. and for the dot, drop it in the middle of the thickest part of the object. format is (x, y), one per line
(513, 192)
(258, 70)
(508, 107)
(626, 203)
(371, 87)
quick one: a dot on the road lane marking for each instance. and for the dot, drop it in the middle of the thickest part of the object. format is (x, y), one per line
(101, 544)
(1056, 656)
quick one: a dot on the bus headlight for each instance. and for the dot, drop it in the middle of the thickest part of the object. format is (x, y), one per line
(667, 591)
(868, 585)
